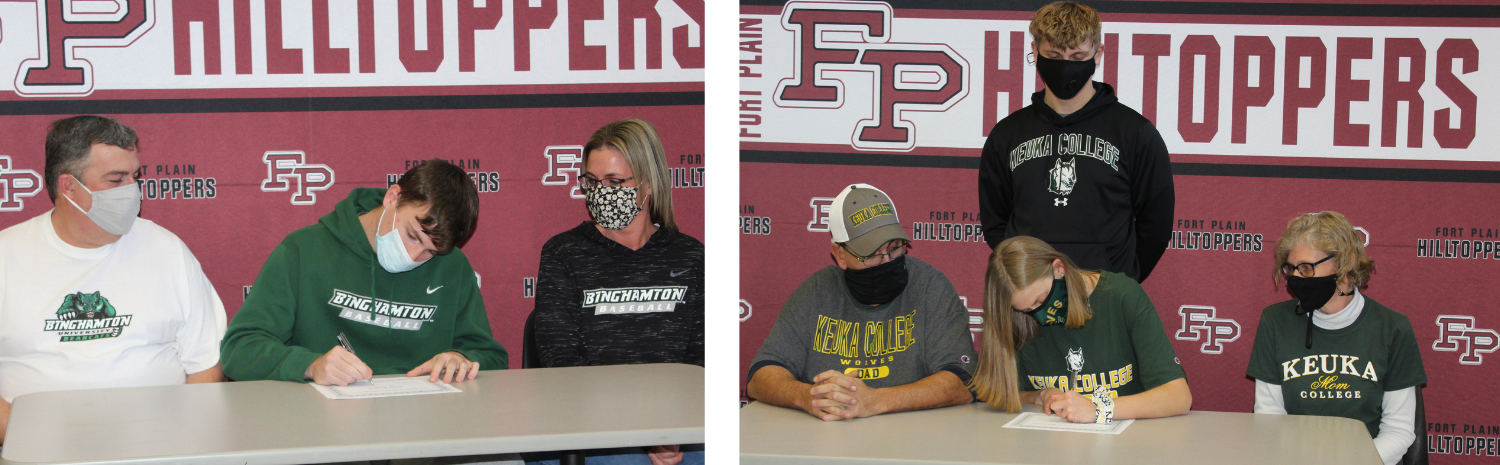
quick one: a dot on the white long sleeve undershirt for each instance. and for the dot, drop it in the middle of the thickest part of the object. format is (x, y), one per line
(1398, 409)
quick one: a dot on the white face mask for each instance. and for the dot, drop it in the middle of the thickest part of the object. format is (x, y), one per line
(114, 210)
(390, 251)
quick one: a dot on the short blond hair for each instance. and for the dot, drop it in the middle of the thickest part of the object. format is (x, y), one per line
(1066, 25)
(1331, 233)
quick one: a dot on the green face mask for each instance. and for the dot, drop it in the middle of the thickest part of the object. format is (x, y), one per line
(1055, 309)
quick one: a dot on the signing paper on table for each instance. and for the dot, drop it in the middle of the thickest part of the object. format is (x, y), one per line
(1042, 421)
(385, 387)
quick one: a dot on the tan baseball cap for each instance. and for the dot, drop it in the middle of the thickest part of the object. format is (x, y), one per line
(866, 219)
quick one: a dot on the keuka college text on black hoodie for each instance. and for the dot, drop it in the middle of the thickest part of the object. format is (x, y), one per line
(1095, 184)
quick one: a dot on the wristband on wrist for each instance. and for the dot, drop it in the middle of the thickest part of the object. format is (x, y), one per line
(1104, 405)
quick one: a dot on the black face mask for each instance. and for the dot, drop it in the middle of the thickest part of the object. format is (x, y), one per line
(1065, 77)
(877, 285)
(1312, 294)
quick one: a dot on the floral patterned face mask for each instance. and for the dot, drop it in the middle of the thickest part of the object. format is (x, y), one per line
(613, 207)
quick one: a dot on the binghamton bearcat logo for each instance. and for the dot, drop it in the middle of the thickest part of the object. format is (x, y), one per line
(1062, 177)
(84, 317)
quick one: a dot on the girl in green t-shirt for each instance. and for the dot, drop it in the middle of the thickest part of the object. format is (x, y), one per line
(1085, 345)
(1333, 351)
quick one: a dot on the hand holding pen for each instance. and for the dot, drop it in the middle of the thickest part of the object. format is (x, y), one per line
(338, 367)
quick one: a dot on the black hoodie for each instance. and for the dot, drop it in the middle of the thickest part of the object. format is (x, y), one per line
(600, 303)
(1096, 184)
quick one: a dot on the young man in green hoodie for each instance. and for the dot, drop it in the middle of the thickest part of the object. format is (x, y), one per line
(384, 270)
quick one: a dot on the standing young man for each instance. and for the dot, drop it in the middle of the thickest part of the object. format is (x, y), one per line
(384, 270)
(1076, 168)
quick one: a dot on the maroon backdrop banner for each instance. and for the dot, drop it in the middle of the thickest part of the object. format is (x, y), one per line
(1269, 110)
(255, 118)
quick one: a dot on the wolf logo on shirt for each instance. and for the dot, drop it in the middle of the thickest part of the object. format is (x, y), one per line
(1075, 360)
(85, 306)
(84, 317)
(1063, 176)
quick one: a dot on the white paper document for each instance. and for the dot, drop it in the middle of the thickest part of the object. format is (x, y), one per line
(385, 387)
(1042, 421)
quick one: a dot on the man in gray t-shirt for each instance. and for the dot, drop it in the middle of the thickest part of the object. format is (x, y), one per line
(877, 332)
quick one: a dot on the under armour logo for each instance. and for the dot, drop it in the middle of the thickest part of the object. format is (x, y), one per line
(1060, 202)
(1458, 330)
(563, 161)
(1199, 324)
(284, 166)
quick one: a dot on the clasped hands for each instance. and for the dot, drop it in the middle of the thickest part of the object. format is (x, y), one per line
(839, 396)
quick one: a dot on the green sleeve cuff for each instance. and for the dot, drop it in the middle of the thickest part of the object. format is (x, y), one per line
(295, 366)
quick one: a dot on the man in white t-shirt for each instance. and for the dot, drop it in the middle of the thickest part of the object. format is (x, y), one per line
(92, 296)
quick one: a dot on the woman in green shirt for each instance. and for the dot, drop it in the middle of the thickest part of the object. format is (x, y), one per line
(1085, 345)
(1332, 350)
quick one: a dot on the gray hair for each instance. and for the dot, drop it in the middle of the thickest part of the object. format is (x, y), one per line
(69, 141)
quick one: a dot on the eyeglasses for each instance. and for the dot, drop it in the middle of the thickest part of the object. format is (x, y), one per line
(590, 182)
(890, 251)
(1305, 269)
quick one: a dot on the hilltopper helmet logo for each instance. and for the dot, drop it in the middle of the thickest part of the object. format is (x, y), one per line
(1456, 333)
(15, 184)
(62, 27)
(905, 77)
(564, 167)
(745, 310)
(282, 167)
(1199, 324)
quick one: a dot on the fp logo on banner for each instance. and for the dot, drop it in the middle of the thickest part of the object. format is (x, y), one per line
(1456, 333)
(564, 167)
(1199, 324)
(821, 207)
(59, 71)
(282, 167)
(15, 184)
(976, 319)
(904, 77)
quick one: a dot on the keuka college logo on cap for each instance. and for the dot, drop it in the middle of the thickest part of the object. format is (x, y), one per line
(870, 212)
(288, 167)
(84, 317)
(634, 299)
(15, 184)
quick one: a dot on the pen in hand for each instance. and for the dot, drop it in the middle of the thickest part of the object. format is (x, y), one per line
(344, 341)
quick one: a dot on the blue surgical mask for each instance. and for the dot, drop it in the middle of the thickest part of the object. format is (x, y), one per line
(390, 251)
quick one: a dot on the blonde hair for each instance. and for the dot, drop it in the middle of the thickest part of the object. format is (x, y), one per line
(1016, 263)
(1331, 233)
(637, 141)
(1066, 25)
